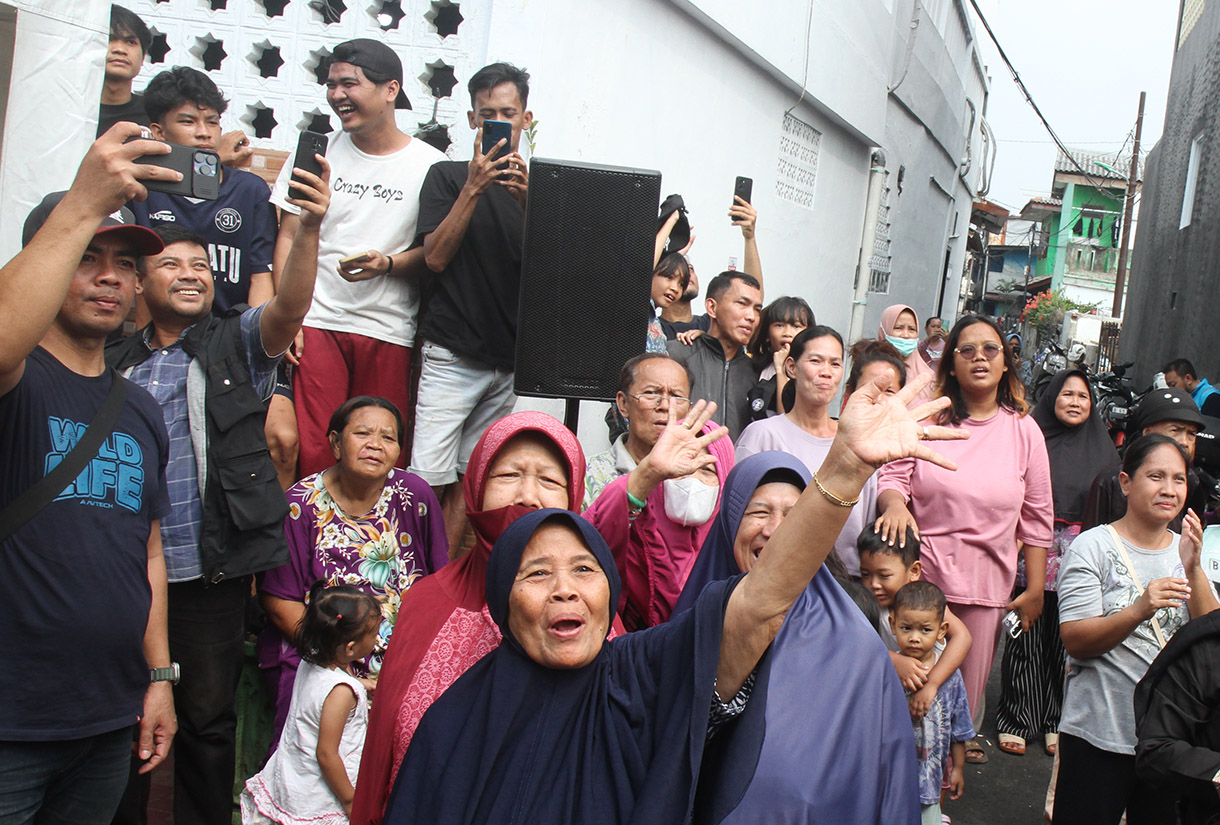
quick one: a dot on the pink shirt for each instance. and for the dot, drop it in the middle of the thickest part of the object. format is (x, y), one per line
(971, 520)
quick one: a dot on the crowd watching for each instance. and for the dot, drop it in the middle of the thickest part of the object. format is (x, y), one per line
(775, 594)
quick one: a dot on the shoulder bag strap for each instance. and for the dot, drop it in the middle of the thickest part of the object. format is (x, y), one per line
(43, 492)
(1122, 549)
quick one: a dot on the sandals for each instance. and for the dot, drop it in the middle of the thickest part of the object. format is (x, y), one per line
(975, 755)
(1051, 743)
(1009, 743)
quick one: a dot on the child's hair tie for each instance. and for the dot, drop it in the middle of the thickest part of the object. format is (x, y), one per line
(338, 615)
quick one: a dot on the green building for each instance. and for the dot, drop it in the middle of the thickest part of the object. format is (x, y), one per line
(1080, 227)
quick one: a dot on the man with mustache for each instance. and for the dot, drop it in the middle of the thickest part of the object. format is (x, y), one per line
(211, 375)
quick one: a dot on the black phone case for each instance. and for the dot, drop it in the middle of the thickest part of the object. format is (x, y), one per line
(200, 170)
(308, 145)
(743, 188)
(495, 131)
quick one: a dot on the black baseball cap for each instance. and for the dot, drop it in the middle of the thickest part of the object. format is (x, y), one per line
(121, 223)
(1169, 404)
(374, 56)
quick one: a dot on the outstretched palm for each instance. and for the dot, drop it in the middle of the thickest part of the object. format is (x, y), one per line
(879, 428)
(680, 449)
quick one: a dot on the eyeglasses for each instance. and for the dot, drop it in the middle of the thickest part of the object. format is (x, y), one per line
(653, 399)
(990, 351)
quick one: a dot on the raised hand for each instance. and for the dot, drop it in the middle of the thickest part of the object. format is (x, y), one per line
(681, 449)
(878, 428)
(1191, 544)
(311, 193)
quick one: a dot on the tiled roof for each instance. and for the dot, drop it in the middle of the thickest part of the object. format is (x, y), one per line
(1089, 161)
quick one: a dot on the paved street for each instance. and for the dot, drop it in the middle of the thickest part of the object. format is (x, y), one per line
(1008, 790)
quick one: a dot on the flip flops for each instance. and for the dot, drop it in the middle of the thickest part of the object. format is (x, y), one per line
(1010, 744)
(975, 755)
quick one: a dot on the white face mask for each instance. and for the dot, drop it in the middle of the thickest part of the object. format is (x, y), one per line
(690, 502)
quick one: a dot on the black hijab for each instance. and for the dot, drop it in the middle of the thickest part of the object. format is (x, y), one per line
(1077, 454)
(617, 741)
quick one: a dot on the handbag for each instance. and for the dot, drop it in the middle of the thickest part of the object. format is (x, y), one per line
(27, 505)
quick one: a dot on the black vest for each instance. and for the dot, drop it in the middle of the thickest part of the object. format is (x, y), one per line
(243, 504)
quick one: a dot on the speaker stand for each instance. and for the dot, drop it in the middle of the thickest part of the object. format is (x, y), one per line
(571, 413)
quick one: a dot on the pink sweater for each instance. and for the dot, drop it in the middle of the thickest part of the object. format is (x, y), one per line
(971, 520)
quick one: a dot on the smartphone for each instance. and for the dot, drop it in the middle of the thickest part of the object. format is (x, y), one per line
(359, 257)
(743, 188)
(308, 145)
(200, 170)
(495, 131)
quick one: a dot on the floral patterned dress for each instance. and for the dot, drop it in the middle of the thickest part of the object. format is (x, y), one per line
(383, 552)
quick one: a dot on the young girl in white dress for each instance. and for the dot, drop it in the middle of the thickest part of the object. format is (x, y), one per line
(311, 776)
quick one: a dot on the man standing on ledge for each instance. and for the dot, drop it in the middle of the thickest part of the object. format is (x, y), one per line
(471, 224)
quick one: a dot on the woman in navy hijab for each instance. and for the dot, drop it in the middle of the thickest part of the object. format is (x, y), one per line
(826, 736)
(557, 725)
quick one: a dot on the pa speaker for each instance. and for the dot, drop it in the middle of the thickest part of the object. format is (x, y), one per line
(586, 277)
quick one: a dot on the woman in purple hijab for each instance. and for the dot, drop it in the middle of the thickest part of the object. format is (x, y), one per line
(826, 736)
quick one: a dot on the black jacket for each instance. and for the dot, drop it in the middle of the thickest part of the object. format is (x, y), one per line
(725, 382)
(243, 504)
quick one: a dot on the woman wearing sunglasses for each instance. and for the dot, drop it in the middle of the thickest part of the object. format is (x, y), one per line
(973, 523)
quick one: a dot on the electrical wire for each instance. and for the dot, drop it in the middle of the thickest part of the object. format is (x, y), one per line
(805, 71)
(1029, 98)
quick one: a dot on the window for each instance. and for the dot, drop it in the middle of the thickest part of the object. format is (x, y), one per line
(797, 167)
(1192, 177)
(879, 263)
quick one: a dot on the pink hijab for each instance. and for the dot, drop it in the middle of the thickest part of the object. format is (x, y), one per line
(916, 366)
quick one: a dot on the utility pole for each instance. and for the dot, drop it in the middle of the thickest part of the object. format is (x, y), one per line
(1128, 207)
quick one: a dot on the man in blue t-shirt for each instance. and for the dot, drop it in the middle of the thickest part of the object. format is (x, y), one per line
(82, 581)
(1181, 374)
(239, 227)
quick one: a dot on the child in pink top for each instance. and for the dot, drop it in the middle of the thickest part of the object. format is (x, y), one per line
(970, 521)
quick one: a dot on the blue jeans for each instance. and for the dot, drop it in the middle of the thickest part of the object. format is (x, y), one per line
(77, 782)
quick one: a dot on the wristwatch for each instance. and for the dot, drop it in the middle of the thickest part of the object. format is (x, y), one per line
(169, 674)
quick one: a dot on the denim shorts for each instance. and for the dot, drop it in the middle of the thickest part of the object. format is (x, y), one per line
(458, 399)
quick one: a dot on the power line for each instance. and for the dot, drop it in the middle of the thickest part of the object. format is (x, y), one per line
(1029, 98)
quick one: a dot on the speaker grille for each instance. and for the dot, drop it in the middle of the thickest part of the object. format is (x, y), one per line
(586, 277)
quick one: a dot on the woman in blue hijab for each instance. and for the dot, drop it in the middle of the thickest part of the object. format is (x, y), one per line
(559, 725)
(826, 736)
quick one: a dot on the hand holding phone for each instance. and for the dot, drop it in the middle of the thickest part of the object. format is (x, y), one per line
(364, 265)
(200, 170)
(309, 144)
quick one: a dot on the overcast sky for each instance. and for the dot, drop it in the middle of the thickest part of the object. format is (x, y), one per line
(1085, 63)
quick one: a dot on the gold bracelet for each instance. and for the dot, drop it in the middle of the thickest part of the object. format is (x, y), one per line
(831, 497)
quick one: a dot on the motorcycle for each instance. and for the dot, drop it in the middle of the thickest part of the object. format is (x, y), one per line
(1115, 400)
(1050, 359)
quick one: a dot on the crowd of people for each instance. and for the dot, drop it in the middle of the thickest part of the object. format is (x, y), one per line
(777, 596)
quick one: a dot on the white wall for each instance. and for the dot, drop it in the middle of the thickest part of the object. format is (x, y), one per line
(57, 59)
(659, 90)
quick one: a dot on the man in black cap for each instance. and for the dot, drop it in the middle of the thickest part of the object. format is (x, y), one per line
(359, 332)
(82, 577)
(1170, 412)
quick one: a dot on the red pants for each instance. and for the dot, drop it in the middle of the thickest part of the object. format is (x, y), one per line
(335, 367)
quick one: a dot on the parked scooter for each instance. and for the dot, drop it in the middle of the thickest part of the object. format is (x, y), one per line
(1115, 400)
(1050, 359)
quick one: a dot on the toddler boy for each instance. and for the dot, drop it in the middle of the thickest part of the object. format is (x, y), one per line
(886, 569)
(917, 619)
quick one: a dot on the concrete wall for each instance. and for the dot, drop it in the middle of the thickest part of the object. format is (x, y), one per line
(1171, 303)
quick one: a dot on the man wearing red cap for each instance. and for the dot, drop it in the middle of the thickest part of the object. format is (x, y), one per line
(82, 578)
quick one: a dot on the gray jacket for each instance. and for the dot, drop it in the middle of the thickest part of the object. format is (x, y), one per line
(725, 382)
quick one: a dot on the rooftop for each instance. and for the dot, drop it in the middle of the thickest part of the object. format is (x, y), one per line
(1119, 167)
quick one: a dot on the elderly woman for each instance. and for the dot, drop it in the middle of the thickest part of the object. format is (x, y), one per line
(523, 462)
(362, 522)
(557, 725)
(773, 765)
